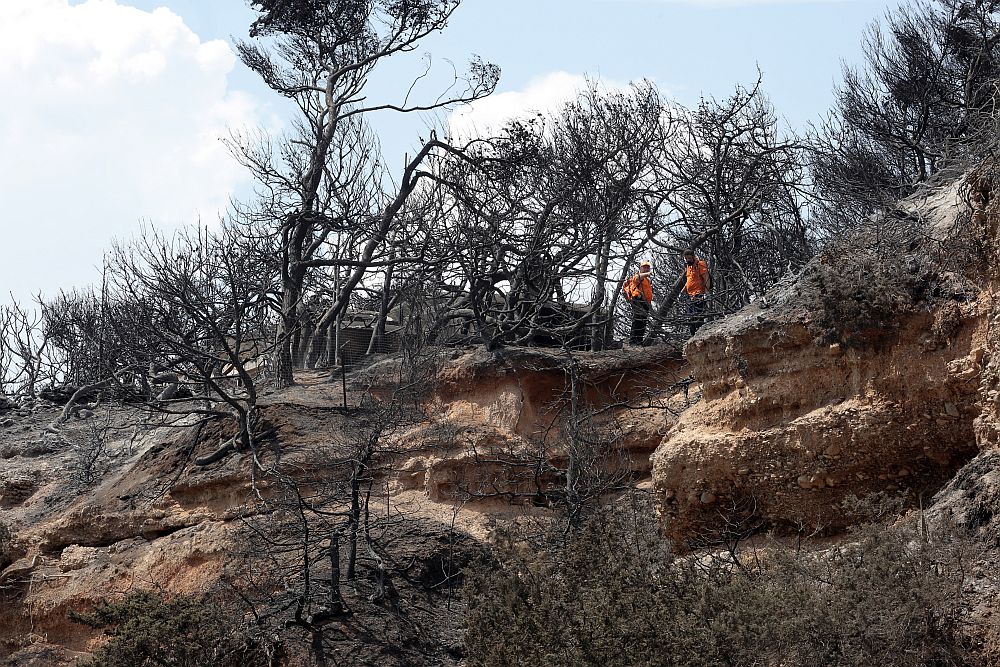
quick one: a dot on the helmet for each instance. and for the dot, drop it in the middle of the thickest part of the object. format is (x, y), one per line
(645, 266)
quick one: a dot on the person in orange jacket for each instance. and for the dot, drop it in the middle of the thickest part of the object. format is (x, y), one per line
(639, 294)
(698, 284)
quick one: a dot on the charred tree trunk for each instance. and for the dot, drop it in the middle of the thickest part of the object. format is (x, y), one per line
(376, 343)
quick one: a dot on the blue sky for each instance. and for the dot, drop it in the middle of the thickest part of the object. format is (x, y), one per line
(119, 104)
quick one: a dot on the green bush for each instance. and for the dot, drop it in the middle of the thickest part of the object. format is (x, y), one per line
(147, 629)
(613, 595)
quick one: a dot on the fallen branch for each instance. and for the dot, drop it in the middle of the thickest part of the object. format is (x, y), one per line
(218, 454)
(70, 408)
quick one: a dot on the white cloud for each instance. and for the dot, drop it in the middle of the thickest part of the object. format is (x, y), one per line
(110, 115)
(541, 95)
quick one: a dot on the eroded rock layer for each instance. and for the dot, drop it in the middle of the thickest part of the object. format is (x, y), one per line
(498, 425)
(793, 421)
(486, 438)
(788, 429)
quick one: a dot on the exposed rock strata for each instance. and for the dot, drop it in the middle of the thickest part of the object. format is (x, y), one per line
(790, 429)
(971, 500)
(790, 425)
(497, 425)
(157, 521)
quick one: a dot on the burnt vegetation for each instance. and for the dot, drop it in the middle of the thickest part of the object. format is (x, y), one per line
(612, 593)
(520, 238)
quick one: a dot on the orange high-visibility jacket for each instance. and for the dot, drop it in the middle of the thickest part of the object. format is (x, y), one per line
(697, 278)
(637, 286)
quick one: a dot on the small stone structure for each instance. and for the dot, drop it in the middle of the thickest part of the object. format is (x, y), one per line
(356, 335)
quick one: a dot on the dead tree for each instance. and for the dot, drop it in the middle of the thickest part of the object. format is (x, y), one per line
(320, 55)
(29, 357)
(921, 101)
(550, 207)
(565, 205)
(737, 186)
(197, 302)
(319, 544)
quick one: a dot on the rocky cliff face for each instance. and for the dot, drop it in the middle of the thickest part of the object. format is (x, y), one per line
(497, 427)
(485, 442)
(794, 420)
(971, 499)
(151, 522)
(791, 428)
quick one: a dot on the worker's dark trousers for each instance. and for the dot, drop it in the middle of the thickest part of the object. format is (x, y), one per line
(696, 312)
(640, 315)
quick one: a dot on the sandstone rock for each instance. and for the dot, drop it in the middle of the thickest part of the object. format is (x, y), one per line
(489, 417)
(17, 487)
(75, 557)
(96, 534)
(863, 411)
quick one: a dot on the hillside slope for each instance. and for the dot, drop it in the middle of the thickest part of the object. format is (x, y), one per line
(482, 445)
